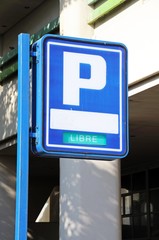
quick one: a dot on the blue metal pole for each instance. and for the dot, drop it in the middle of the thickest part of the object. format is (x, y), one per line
(21, 221)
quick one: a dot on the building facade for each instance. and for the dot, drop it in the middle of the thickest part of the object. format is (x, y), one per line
(75, 198)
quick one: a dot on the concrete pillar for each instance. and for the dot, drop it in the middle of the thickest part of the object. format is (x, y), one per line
(73, 18)
(89, 189)
(90, 206)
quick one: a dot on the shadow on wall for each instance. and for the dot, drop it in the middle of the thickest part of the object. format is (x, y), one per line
(92, 211)
(8, 109)
(7, 197)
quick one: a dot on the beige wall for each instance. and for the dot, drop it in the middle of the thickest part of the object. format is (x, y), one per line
(135, 25)
(8, 109)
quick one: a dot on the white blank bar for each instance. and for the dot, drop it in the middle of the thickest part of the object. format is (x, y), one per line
(83, 121)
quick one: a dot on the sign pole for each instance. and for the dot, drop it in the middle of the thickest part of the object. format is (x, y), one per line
(21, 221)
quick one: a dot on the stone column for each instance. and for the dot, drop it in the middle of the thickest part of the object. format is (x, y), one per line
(89, 189)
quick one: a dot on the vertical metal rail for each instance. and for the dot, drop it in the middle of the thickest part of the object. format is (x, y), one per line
(21, 221)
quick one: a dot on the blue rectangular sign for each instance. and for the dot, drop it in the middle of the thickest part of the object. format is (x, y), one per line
(81, 98)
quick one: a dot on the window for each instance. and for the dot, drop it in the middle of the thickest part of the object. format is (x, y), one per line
(140, 205)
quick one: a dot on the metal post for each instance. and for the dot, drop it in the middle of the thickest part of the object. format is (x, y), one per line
(22, 138)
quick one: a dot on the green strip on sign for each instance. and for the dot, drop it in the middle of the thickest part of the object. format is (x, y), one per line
(84, 138)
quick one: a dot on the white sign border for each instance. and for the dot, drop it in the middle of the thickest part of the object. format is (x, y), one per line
(47, 98)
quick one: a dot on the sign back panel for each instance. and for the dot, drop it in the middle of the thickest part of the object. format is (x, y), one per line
(81, 98)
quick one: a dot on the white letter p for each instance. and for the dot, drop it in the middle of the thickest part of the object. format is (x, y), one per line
(73, 82)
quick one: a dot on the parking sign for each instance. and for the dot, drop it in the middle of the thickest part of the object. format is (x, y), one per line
(81, 98)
